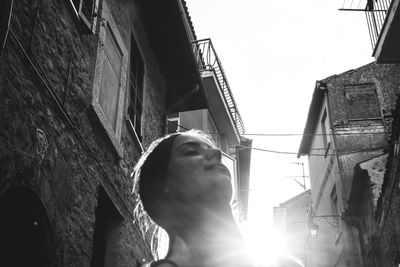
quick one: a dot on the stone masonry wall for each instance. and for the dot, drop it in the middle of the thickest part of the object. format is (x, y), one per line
(384, 77)
(365, 136)
(387, 238)
(54, 96)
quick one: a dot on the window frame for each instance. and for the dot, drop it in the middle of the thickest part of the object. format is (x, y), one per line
(5, 22)
(84, 23)
(108, 23)
(335, 210)
(347, 93)
(136, 89)
(175, 121)
(325, 132)
(323, 128)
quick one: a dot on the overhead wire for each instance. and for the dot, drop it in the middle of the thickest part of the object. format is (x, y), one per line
(313, 134)
(297, 153)
(295, 134)
(316, 154)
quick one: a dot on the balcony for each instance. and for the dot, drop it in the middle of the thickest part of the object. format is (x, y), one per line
(383, 19)
(217, 87)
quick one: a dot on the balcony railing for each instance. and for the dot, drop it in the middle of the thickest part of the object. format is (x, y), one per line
(207, 60)
(375, 12)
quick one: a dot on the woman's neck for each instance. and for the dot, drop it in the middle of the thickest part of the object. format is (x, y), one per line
(209, 237)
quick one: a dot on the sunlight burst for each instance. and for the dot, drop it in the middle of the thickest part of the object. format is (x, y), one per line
(263, 245)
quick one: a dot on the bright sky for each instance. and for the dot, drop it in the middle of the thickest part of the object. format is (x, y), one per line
(272, 53)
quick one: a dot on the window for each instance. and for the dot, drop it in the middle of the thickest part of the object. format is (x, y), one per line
(362, 102)
(334, 201)
(5, 16)
(110, 79)
(324, 129)
(334, 206)
(136, 77)
(173, 123)
(84, 11)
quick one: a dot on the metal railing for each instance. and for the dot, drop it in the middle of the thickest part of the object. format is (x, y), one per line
(376, 12)
(207, 60)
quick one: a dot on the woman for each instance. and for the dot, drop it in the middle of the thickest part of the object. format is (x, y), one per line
(186, 189)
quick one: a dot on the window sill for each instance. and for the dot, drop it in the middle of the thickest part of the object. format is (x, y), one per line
(365, 119)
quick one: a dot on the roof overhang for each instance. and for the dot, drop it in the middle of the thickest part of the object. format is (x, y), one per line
(312, 119)
(166, 25)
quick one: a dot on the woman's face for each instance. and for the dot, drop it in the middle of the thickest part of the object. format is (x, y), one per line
(195, 171)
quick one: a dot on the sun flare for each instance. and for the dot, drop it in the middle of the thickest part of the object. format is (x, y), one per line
(263, 245)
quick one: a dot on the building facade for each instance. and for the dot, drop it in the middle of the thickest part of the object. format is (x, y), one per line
(222, 121)
(374, 203)
(85, 86)
(289, 220)
(348, 123)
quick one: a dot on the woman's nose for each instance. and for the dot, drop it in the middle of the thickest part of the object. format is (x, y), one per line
(214, 153)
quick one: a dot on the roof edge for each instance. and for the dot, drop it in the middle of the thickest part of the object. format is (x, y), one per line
(317, 98)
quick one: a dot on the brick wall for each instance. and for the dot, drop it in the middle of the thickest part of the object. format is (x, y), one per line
(78, 159)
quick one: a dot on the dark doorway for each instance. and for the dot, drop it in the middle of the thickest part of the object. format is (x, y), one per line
(25, 235)
(107, 233)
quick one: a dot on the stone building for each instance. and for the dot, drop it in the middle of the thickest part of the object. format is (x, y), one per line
(85, 85)
(348, 123)
(290, 222)
(385, 246)
(363, 205)
(374, 204)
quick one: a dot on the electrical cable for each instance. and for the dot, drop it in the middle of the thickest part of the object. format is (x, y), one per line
(315, 154)
(294, 134)
(314, 134)
(296, 153)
